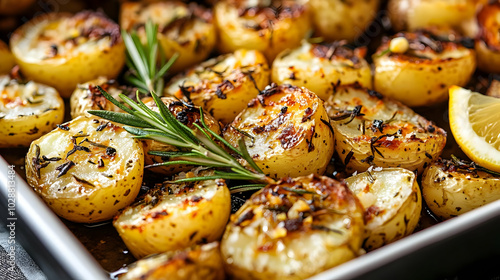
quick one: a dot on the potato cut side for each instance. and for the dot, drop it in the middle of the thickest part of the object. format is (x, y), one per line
(392, 201)
(196, 263)
(27, 111)
(185, 29)
(319, 67)
(223, 85)
(63, 50)
(86, 170)
(286, 132)
(373, 130)
(451, 190)
(293, 229)
(175, 216)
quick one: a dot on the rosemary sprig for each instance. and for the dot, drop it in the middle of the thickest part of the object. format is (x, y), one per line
(142, 60)
(471, 166)
(196, 147)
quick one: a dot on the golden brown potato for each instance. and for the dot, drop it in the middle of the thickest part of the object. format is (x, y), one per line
(223, 86)
(318, 66)
(175, 216)
(6, 59)
(197, 263)
(86, 170)
(27, 111)
(417, 68)
(186, 114)
(267, 26)
(14, 7)
(488, 41)
(63, 50)
(186, 29)
(451, 189)
(286, 132)
(415, 14)
(293, 229)
(342, 19)
(373, 130)
(392, 201)
(87, 97)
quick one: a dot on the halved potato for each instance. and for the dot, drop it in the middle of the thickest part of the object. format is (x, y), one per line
(415, 14)
(27, 111)
(421, 74)
(86, 170)
(319, 66)
(186, 114)
(223, 85)
(293, 229)
(6, 59)
(451, 190)
(267, 26)
(392, 201)
(488, 42)
(286, 132)
(186, 29)
(373, 130)
(196, 263)
(175, 216)
(63, 50)
(87, 97)
(342, 19)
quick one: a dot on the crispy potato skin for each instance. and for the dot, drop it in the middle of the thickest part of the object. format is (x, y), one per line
(188, 116)
(392, 201)
(287, 132)
(388, 134)
(197, 263)
(87, 97)
(175, 217)
(319, 66)
(429, 70)
(450, 191)
(293, 229)
(224, 85)
(51, 49)
(6, 59)
(351, 18)
(488, 42)
(264, 28)
(186, 29)
(27, 111)
(81, 180)
(415, 14)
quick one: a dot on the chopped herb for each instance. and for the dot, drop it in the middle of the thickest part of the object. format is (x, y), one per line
(79, 180)
(63, 126)
(110, 151)
(63, 168)
(351, 114)
(102, 126)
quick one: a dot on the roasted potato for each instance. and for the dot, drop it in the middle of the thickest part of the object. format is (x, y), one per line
(424, 61)
(62, 50)
(197, 263)
(451, 189)
(175, 216)
(184, 29)
(286, 132)
(223, 85)
(342, 19)
(87, 97)
(392, 202)
(415, 14)
(293, 229)
(27, 111)
(488, 42)
(14, 7)
(186, 114)
(318, 66)
(373, 130)
(267, 26)
(86, 170)
(6, 59)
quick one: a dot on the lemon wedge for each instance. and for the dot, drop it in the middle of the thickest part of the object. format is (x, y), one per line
(475, 124)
